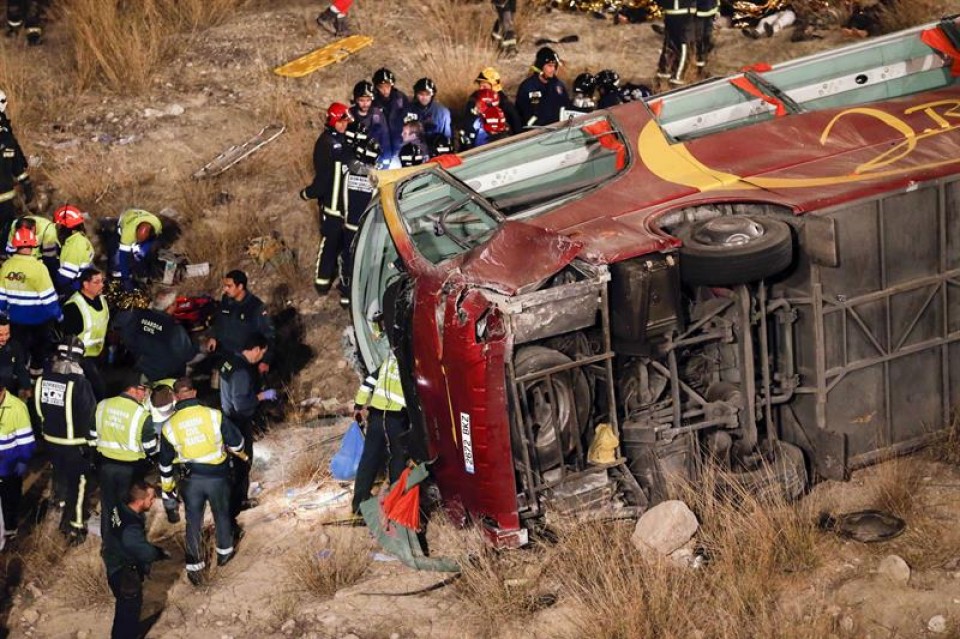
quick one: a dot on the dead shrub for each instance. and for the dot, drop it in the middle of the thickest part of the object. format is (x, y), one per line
(85, 577)
(324, 567)
(498, 587)
(894, 487)
(903, 14)
(122, 44)
(41, 552)
(947, 449)
(752, 548)
(311, 465)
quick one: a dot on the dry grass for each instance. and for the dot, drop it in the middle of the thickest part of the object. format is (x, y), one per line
(895, 487)
(754, 551)
(947, 449)
(312, 465)
(324, 567)
(121, 45)
(41, 552)
(908, 13)
(83, 575)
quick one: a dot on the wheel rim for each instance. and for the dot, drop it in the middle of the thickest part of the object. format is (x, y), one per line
(728, 231)
(551, 404)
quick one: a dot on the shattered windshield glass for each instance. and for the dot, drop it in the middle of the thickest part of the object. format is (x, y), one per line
(443, 217)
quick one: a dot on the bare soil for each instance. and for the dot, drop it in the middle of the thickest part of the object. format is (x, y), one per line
(106, 152)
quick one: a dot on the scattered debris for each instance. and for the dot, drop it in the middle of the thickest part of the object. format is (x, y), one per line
(865, 525)
(665, 528)
(937, 624)
(30, 616)
(270, 249)
(894, 568)
(237, 152)
(288, 626)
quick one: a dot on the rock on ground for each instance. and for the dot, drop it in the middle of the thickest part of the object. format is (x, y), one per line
(937, 624)
(665, 527)
(895, 569)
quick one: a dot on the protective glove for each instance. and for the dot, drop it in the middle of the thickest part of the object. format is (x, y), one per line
(20, 469)
(268, 395)
(28, 192)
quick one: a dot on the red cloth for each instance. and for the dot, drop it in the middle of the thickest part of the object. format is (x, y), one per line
(608, 140)
(936, 39)
(403, 506)
(744, 84)
(759, 67)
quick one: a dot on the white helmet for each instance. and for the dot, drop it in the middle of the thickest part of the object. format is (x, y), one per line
(3, 102)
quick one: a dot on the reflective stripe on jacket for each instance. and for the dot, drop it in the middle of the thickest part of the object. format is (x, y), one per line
(123, 431)
(94, 323)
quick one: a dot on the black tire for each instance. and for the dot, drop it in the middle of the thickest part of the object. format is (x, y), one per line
(570, 396)
(720, 265)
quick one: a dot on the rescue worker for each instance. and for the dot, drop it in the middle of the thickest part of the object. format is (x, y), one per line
(368, 116)
(678, 24)
(241, 315)
(25, 12)
(195, 438)
(489, 78)
(16, 448)
(13, 170)
(490, 126)
(707, 11)
(413, 154)
(125, 437)
(162, 347)
(428, 111)
(542, 95)
(240, 398)
(163, 404)
(48, 250)
(128, 556)
(28, 298)
(380, 405)
(394, 103)
(334, 19)
(357, 191)
(608, 86)
(65, 404)
(77, 253)
(13, 363)
(86, 315)
(584, 91)
(330, 154)
(504, 31)
(134, 245)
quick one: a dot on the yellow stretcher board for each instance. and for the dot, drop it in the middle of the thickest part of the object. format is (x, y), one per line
(324, 56)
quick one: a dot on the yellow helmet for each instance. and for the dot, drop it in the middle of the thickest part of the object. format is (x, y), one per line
(492, 77)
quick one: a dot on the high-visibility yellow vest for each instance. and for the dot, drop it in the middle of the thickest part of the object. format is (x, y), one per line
(128, 223)
(120, 422)
(48, 243)
(384, 391)
(76, 256)
(94, 323)
(194, 433)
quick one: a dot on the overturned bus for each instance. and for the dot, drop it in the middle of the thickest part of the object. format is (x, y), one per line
(763, 269)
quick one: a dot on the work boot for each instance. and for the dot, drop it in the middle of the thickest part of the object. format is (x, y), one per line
(34, 36)
(76, 537)
(173, 515)
(341, 27)
(223, 560)
(328, 21)
(321, 289)
(247, 504)
(195, 577)
(495, 33)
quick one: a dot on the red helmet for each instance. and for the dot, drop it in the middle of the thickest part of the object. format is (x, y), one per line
(68, 216)
(24, 237)
(494, 121)
(486, 98)
(338, 112)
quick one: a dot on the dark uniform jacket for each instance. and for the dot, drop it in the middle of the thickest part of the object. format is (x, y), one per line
(434, 117)
(13, 163)
(238, 388)
(13, 367)
(330, 154)
(162, 346)
(357, 192)
(237, 321)
(394, 108)
(125, 542)
(66, 405)
(539, 103)
(376, 124)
